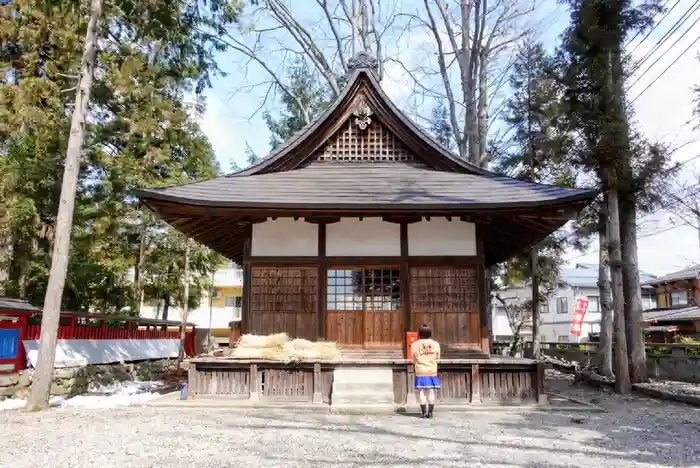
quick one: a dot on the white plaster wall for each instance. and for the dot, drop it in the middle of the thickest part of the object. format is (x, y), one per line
(441, 237)
(284, 237)
(371, 237)
(72, 353)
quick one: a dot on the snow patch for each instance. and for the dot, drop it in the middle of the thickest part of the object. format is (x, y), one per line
(100, 396)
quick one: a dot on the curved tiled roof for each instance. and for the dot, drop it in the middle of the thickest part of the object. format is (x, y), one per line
(367, 185)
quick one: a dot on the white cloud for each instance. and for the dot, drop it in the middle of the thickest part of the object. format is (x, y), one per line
(228, 131)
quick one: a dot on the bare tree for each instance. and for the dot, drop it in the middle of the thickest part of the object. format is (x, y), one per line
(324, 33)
(519, 316)
(41, 386)
(467, 39)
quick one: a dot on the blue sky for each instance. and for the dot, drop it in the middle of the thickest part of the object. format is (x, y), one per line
(662, 112)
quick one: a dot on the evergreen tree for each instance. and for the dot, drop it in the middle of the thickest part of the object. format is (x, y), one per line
(537, 151)
(139, 134)
(593, 54)
(441, 128)
(306, 100)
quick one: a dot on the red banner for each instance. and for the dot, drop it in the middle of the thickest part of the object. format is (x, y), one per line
(580, 309)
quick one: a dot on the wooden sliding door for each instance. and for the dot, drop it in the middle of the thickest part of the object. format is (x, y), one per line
(364, 307)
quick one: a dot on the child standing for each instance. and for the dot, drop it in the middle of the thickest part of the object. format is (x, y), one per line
(425, 353)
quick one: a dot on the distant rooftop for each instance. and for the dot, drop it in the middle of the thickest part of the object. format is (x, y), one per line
(689, 313)
(690, 272)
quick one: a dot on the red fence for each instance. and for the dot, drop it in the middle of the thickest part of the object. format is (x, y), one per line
(20, 326)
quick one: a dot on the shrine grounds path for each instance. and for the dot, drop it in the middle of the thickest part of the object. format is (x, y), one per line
(634, 432)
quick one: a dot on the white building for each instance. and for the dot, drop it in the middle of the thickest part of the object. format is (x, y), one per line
(557, 314)
(215, 312)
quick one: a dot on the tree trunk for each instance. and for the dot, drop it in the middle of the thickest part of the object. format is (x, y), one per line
(483, 110)
(604, 287)
(185, 303)
(166, 307)
(138, 274)
(41, 386)
(622, 375)
(632, 290)
(534, 261)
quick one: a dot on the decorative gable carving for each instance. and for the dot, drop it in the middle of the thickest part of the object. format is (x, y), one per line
(362, 113)
(362, 138)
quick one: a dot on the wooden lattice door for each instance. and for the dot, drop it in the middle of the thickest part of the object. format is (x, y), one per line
(364, 307)
(446, 298)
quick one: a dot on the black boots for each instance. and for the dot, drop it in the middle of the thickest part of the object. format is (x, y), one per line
(427, 414)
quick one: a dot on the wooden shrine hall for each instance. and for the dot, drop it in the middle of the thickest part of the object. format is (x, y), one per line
(362, 227)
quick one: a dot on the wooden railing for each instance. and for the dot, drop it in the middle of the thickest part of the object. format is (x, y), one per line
(76, 326)
(311, 382)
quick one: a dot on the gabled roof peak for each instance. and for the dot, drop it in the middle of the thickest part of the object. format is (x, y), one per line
(363, 60)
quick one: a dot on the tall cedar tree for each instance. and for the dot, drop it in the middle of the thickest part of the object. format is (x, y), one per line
(537, 151)
(593, 52)
(130, 80)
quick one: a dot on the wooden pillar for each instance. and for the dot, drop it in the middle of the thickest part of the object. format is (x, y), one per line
(247, 280)
(254, 383)
(405, 278)
(476, 385)
(322, 286)
(317, 397)
(482, 293)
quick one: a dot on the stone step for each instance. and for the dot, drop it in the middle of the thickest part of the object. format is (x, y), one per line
(363, 399)
(362, 387)
(355, 388)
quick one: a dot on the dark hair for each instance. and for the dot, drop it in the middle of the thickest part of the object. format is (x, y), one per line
(425, 332)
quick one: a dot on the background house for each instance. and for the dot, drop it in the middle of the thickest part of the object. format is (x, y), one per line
(678, 311)
(214, 312)
(557, 312)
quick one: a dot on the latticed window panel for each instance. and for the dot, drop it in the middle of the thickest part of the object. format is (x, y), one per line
(444, 289)
(364, 289)
(288, 289)
(373, 144)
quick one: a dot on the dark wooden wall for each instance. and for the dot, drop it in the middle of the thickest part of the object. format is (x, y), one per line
(447, 299)
(284, 300)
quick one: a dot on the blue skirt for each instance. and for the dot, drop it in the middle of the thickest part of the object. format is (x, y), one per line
(426, 383)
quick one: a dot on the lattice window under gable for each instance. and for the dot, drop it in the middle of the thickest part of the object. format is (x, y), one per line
(353, 144)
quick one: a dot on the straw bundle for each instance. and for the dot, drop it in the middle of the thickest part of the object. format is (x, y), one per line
(249, 353)
(301, 343)
(278, 339)
(252, 341)
(279, 347)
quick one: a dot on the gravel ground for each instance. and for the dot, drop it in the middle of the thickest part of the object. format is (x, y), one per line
(635, 432)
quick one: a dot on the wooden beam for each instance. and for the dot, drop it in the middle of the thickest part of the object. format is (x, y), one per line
(322, 219)
(560, 211)
(424, 260)
(398, 219)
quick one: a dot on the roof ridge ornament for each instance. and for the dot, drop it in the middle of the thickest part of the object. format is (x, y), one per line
(363, 114)
(363, 60)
